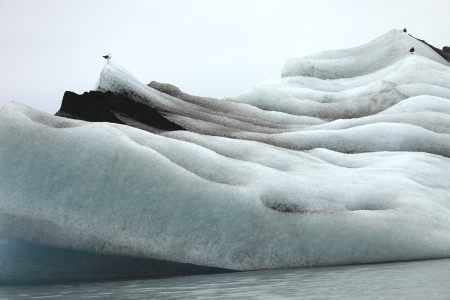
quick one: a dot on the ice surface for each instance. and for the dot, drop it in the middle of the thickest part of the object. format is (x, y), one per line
(355, 106)
(301, 171)
(353, 97)
(233, 203)
(378, 54)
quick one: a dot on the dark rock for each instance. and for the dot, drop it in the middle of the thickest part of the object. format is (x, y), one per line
(446, 49)
(95, 106)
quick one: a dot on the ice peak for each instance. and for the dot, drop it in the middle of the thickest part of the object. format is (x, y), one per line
(380, 53)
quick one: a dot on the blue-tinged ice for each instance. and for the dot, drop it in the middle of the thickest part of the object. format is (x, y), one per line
(345, 160)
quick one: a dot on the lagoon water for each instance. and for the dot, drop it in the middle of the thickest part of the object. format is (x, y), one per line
(429, 279)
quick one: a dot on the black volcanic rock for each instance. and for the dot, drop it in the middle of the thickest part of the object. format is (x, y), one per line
(96, 106)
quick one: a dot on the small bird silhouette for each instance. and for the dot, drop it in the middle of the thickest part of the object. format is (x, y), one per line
(108, 57)
(411, 50)
(404, 30)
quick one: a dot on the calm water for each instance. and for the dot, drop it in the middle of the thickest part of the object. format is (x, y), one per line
(406, 280)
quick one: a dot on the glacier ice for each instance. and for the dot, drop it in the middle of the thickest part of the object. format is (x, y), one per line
(25, 263)
(378, 54)
(344, 164)
(365, 128)
(111, 188)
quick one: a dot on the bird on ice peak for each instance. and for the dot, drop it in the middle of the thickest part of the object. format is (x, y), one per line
(108, 57)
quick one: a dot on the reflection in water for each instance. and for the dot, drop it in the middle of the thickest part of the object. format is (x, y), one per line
(406, 280)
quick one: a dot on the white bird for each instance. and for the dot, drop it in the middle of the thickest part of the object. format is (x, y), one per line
(108, 57)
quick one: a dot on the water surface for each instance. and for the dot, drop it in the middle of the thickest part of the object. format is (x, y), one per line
(428, 279)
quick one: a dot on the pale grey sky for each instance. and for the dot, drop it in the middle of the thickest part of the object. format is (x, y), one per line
(215, 48)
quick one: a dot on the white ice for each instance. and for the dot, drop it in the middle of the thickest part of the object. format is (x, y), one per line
(295, 172)
(116, 189)
(345, 115)
(371, 57)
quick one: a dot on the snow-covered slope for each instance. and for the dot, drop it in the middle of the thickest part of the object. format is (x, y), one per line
(353, 97)
(294, 172)
(371, 57)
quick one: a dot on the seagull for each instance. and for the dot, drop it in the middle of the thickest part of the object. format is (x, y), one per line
(404, 30)
(108, 57)
(411, 50)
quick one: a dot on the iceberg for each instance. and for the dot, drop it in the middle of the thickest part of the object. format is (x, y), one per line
(344, 160)
(366, 59)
